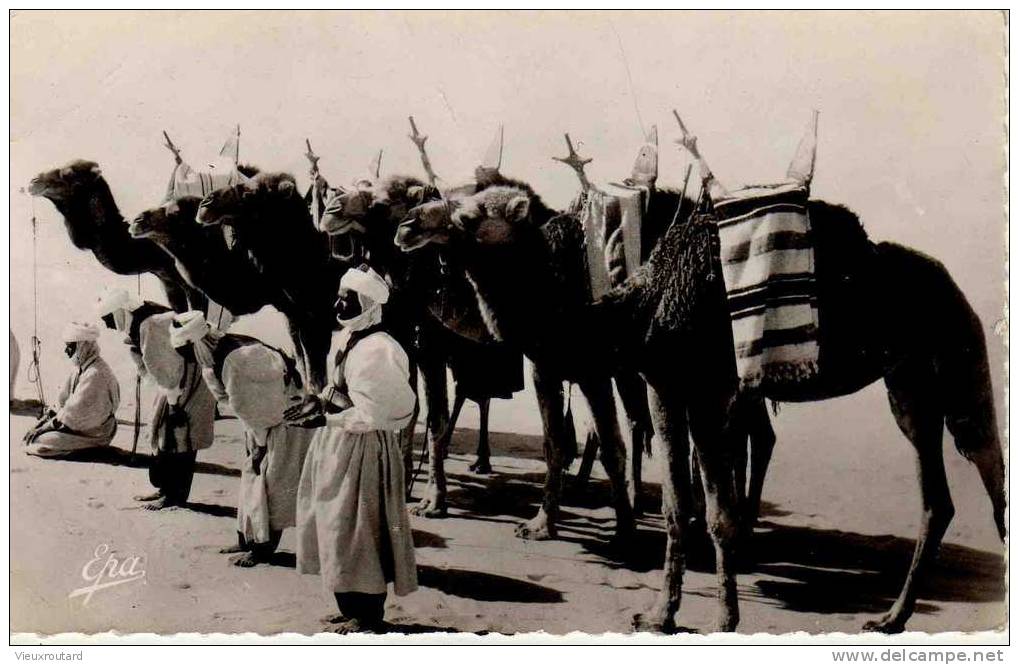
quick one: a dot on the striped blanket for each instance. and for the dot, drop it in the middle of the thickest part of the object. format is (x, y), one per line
(768, 268)
(611, 217)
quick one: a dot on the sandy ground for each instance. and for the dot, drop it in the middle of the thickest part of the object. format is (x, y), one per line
(831, 551)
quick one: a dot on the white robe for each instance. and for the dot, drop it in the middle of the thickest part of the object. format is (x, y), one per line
(352, 521)
(179, 382)
(86, 409)
(254, 384)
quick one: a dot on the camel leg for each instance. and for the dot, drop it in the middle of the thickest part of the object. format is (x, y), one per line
(586, 461)
(484, 463)
(294, 330)
(698, 521)
(916, 407)
(179, 296)
(549, 391)
(613, 453)
(716, 432)
(762, 443)
(433, 374)
(314, 337)
(672, 453)
(633, 395)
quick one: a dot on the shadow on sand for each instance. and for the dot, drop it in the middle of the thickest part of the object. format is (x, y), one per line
(485, 586)
(119, 457)
(804, 569)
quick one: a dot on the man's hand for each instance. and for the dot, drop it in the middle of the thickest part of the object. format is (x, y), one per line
(257, 455)
(311, 406)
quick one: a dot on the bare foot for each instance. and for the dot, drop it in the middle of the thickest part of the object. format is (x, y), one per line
(233, 549)
(246, 560)
(538, 528)
(148, 497)
(432, 505)
(333, 618)
(160, 504)
(481, 466)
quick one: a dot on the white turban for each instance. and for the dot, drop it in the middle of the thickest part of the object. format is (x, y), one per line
(116, 299)
(80, 332)
(369, 284)
(187, 328)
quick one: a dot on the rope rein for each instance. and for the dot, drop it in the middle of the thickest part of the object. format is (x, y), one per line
(34, 368)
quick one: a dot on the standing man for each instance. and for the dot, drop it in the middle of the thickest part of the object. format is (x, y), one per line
(258, 382)
(184, 407)
(352, 522)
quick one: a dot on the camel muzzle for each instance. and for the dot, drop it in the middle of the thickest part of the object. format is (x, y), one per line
(409, 236)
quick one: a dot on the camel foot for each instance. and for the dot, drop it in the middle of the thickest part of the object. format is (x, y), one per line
(246, 560)
(726, 623)
(148, 497)
(656, 620)
(431, 506)
(233, 549)
(347, 626)
(538, 528)
(886, 624)
(481, 466)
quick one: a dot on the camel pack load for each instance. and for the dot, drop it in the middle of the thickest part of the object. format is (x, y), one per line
(185, 181)
(767, 259)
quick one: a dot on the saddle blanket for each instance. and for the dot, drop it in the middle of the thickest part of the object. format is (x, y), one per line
(767, 261)
(612, 217)
(185, 181)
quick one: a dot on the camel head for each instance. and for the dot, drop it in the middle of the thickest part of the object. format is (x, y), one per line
(232, 205)
(346, 211)
(63, 184)
(492, 217)
(167, 221)
(428, 223)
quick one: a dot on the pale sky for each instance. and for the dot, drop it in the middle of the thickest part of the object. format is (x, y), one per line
(911, 113)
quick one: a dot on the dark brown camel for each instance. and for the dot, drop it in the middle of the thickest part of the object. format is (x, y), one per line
(203, 258)
(571, 275)
(878, 305)
(93, 221)
(365, 220)
(273, 228)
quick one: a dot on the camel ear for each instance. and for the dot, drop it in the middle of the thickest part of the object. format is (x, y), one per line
(518, 208)
(416, 195)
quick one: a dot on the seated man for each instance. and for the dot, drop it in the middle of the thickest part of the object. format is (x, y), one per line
(85, 414)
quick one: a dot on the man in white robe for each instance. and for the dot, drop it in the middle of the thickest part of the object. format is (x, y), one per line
(184, 409)
(85, 413)
(352, 523)
(258, 382)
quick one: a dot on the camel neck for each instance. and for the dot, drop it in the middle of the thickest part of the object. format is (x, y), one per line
(522, 295)
(92, 217)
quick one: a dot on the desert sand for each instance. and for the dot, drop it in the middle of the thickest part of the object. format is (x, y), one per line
(830, 552)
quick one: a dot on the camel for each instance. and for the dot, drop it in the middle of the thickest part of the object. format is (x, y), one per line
(207, 263)
(272, 227)
(364, 220)
(93, 222)
(878, 303)
(663, 207)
